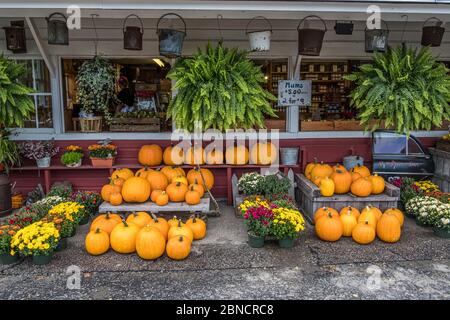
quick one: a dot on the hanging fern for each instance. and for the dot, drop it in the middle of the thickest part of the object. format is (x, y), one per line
(96, 86)
(404, 87)
(221, 88)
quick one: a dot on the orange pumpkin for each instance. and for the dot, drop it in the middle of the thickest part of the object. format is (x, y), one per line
(339, 167)
(378, 184)
(363, 233)
(197, 187)
(124, 173)
(181, 230)
(317, 180)
(117, 181)
(263, 153)
(355, 212)
(141, 218)
(155, 194)
(123, 237)
(173, 156)
(321, 170)
(176, 191)
(178, 248)
(362, 170)
(194, 155)
(398, 213)
(174, 221)
(214, 156)
(388, 228)
(324, 211)
(361, 187)
(348, 223)
(377, 212)
(368, 216)
(309, 168)
(105, 222)
(108, 189)
(329, 228)
(355, 176)
(160, 224)
(143, 172)
(202, 176)
(237, 155)
(150, 243)
(198, 227)
(116, 199)
(342, 181)
(136, 189)
(170, 172)
(150, 155)
(114, 216)
(192, 197)
(157, 180)
(97, 242)
(162, 199)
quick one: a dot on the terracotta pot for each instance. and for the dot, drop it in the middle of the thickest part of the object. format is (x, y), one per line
(98, 162)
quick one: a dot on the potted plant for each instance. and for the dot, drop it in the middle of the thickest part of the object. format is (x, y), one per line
(102, 155)
(441, 221)
(41, 151)
(286, 225)
(258, 221)
(38, 240)
(60, 189)
(9, 151)
(7, 256)
(71, 211)
(90, 200)
(251, 184)
(72, 157)
(95, 92)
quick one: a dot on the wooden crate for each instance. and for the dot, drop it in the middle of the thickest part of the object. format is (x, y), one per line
(443, 182)
(317, 125)
(347, 125)
(309, 199)
(93, 124)
(135, 125)
(275, 124)
(443, 145)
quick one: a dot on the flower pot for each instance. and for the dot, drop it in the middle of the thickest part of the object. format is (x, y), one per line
(286, 243)
(84, 221)
(98, 162)
(74, 165)
(255, 241)
(44, 162)
(441, 232)
(6, 258)
(42, 259)
(62, 244)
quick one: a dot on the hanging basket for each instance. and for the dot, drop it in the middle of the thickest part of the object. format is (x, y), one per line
(57, 31)
(15, 37)
(432, 35)
(171, 40)
(309, 39)
(132, 36)
(376, 39)
(260, 39)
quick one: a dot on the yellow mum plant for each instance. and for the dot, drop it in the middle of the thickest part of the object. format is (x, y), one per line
(72, 211)
(39, 238)
(287, 223)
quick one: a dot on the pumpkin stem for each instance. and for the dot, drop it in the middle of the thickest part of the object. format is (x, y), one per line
(180, 239)
(366, 222)
(179, 223)
(330, 214)
(125, 223)
(154, 217)
(98, 230)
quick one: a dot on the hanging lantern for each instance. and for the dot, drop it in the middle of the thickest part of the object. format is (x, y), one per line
(15, 37)
(432, 35)
(259, 39)
(170, 40)
(132, 36)
(57, 30)
(309, 39)
(376, 39)
(344, 27)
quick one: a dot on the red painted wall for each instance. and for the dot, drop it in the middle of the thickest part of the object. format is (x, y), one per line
(327, 150)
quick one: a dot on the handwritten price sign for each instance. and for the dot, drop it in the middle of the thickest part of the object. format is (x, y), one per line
(294, 92)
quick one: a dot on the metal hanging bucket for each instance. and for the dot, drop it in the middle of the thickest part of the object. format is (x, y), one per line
(260, 39)
(376, 39)
(432, 35)
(310, 40)
(15, 37)
(132, 36)
(171, 40)
(5, 195)
(57, 31)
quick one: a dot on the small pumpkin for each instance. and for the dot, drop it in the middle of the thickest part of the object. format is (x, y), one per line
(201, 175)
(141, 218)
(150, 155)
(155, 194)
(369, 216)
(173, 156)
(375, 210)
(388, 228)
(198, 227)
(194, 155)
(105, 222)
(342, 181)
(316, 180)
(170, 172)
(107, 189)
(174, 221)
(378, 184)
(324, 211)
(361, 187)
(177, 191)
(354, 211)
(348, 223)
(236, 155)
(150, 243)
(327, 187)
(161, 224)
(123, 237)
(178, 248)
(97, 242)
(362, 170)
(263, 153)
(214, 156)
(143, 172)
(309, 168)
(114, 216)
(192, 197)
(118, 181)
(339, 167)
(181, 179)
(162, 199)
(181, 230)
(396, 212)
(136, 189)
(157, 180)
(363, 233)
(329, 228)
(197, 187)
(321, 170)
(124, 173)
(355, 176)
(116, 199)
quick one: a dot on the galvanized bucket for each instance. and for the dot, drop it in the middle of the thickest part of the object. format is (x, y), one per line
(289, 156)
(15, 37)
(432, 35)
(132, 36)
(310, 40)
(57, 31)
(376, 39)
(259, 39)
(5, 195)
(352, 161)
(43, 163)
(171, 40)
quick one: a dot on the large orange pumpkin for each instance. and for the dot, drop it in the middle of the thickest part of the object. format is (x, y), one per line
(108, 189)
(342, 181)
(178, 248)
(157, 180)
(362, 170)
(105, 222)
(114, 216)
(388, 228)
(143, 172)
(348, 223)
(176, 191)
(197, 175)
(368, 216)
(321, 170)
(150, 155)
(198, 227)
(140, 218)
(398, 213)
(194, 155)
(263, 153)
(123, 237)
(160, 224)
(329, 228)
(377, 212)
(97, 242)
(361, 187)
(355, 176)
(136, 189)
(124, 173)
(324, 211)
(173, 156)
(150, 243)
(238, 155)
(214, 156)
(378, 184)
(363, 233)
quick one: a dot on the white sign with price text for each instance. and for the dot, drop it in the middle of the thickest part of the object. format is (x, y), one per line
(294, 92)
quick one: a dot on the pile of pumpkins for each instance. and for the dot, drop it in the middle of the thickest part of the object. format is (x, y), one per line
(363, 227)
(259, 153)
(168, 184)
(144, 234)
(338, 180)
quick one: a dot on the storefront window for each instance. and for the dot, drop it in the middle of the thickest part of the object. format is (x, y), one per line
(38, 78)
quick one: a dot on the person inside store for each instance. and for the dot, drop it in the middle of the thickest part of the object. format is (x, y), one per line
(125, 96)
